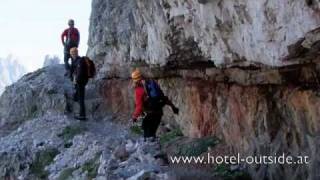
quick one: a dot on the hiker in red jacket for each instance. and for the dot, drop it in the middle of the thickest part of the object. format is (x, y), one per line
(70, 38)
(149, 101)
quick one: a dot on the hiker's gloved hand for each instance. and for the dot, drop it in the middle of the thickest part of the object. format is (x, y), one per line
(134, 120)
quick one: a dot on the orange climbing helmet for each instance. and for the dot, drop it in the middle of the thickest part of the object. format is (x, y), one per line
(136, 75)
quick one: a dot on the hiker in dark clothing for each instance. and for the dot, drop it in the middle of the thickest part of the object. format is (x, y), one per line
(79, 77)
(149, 101)
(70, 38)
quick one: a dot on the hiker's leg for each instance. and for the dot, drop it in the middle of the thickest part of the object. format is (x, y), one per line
(156, 119)
(75, 94)
(146, 125)
(68, 107)
(143, 126)
(81, 97)
(66, 59)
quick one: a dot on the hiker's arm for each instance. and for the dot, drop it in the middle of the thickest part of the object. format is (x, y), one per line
(81, 72)
(71, 69)
(165, 98)
(62, 36)
(138, 103)
(78, 41)
(169, 102)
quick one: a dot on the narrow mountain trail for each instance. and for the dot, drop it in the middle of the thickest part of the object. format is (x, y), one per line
(40, 139)
(59, 147)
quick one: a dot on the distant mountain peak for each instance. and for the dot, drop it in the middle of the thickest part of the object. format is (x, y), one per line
(10, 71)
(51, 60)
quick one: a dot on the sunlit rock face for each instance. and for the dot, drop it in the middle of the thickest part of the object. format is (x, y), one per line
(185, 31)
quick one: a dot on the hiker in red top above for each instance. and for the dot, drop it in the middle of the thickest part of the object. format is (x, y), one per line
(70, 38)
(149, 102)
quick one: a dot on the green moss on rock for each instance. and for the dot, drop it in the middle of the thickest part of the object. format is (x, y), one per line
(43, 159)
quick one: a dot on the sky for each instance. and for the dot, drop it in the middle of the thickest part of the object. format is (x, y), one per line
(31, 29)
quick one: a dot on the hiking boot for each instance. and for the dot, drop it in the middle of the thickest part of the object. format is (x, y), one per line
(149, 139)
(81, 118)
(68, 108)
(152, 139)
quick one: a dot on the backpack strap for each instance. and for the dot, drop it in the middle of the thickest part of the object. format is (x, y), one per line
(145, 88)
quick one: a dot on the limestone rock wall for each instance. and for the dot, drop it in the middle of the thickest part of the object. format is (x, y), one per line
(245, 71)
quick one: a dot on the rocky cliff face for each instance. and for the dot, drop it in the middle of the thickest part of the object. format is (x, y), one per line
(185, 31)
(34, 94)
(245, 71)
(40, 139)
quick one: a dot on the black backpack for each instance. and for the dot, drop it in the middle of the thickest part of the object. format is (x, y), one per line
(91, 69)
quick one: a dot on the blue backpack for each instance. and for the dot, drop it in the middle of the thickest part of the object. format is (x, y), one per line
(155, 94)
